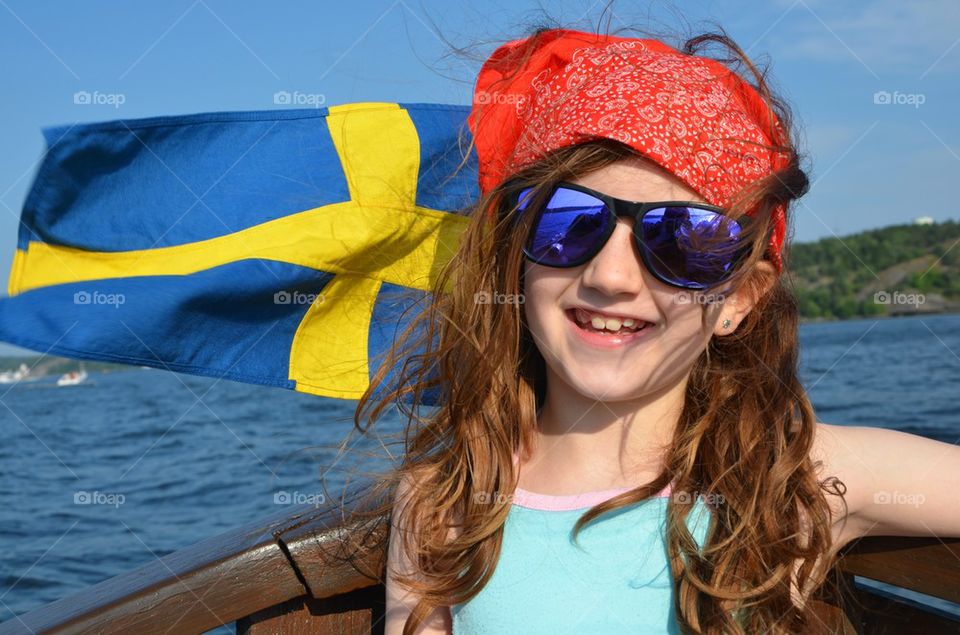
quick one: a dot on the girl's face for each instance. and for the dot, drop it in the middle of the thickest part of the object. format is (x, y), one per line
(616, 284)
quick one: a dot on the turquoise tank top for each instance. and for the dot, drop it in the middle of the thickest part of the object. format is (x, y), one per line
(619, 582)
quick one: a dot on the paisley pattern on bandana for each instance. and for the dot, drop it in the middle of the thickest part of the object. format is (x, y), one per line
(690, 115)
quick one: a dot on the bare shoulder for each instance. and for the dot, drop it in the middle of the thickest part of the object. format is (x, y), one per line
(832, 450)
(837, 455)
(833, 447)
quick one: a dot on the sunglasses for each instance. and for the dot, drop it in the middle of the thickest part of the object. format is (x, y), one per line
(683, 244)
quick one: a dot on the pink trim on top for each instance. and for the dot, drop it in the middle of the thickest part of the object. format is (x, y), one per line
(570, 502)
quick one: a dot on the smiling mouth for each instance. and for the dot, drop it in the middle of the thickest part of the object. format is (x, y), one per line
(593, 323)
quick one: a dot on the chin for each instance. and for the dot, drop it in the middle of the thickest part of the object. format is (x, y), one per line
(607, 384)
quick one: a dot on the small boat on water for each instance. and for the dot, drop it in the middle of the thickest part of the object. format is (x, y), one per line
(73, 378)
(14, 376)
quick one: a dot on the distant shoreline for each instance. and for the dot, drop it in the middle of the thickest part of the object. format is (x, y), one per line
(879, 316)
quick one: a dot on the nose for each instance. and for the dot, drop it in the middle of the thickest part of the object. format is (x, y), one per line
(618, 267)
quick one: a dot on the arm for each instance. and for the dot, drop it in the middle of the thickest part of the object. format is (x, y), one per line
(898, 484)
(400, 601)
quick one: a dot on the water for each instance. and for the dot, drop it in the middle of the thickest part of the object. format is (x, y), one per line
(168, 460)
(899, 373)
(193, 457)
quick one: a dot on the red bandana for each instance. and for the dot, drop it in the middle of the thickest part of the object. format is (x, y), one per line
(690, 115)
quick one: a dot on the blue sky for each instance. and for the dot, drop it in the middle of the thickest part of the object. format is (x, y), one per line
(872, 164)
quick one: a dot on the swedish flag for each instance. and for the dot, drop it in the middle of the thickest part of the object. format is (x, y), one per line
(284, 248)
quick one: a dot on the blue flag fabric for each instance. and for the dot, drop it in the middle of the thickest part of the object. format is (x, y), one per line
(285, 248)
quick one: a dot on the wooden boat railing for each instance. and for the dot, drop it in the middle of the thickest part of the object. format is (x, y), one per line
(276, 575)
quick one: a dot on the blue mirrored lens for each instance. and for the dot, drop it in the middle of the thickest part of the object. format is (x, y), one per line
(571, 225)
(691, 247)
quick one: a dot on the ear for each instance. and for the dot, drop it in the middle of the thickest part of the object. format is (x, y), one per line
(738, 304)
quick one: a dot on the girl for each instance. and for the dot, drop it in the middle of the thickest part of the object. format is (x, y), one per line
(621, 442)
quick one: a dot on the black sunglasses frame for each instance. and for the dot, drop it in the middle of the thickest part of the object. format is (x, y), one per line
(630, 209)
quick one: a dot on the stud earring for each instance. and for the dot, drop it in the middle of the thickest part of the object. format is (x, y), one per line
(726, 324)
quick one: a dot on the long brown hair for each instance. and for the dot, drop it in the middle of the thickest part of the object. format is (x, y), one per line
(744, 434)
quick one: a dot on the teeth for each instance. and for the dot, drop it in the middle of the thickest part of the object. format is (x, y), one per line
(600, 323)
